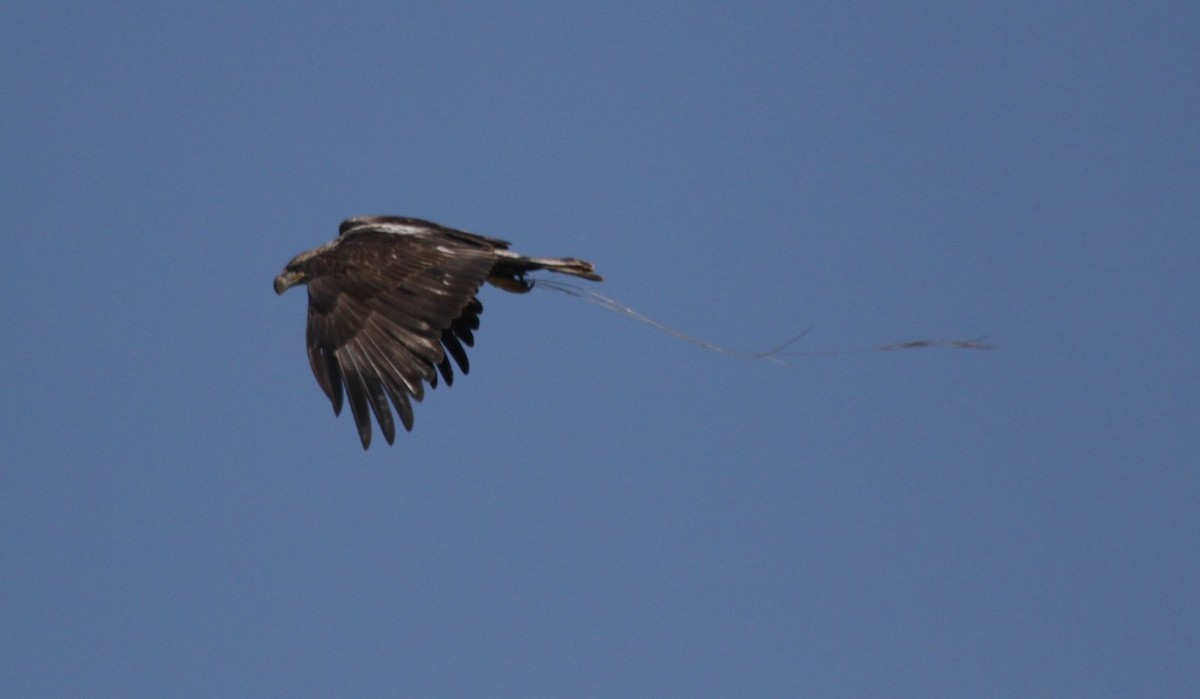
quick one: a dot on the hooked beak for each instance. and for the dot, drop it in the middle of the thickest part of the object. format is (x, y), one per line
(287, 280)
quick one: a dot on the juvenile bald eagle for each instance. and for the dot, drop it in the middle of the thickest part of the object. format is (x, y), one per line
(391, 300)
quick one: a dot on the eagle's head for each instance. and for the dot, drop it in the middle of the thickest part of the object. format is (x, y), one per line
(294, 272)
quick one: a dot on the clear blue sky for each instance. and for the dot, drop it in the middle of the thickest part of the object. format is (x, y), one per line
(600, 509)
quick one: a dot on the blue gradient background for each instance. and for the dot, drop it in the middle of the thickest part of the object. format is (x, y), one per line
(600, 509)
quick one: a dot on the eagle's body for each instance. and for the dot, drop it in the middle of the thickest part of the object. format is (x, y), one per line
(391, 300)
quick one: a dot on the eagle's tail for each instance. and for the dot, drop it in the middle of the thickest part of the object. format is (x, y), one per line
(509, 271)
(564, 265)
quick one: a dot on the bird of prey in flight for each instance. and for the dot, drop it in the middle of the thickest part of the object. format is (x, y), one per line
(391, 300)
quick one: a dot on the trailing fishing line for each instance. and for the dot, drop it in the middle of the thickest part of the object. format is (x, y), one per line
(775, 355)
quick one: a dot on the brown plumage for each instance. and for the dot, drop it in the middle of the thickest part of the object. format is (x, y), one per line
(391, 300)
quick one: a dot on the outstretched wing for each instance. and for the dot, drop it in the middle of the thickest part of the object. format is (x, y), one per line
(387, 315)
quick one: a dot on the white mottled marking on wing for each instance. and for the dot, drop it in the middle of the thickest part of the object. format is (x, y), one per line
(400, 229)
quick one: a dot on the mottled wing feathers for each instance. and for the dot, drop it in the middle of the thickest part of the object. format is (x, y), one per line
(419, 226)
(388, 312)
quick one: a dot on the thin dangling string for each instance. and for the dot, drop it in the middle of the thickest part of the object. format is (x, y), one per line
(775, 355)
